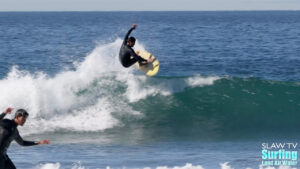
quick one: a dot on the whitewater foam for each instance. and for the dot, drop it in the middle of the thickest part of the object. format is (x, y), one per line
(57, 166)
(186, 166)
(140, 87)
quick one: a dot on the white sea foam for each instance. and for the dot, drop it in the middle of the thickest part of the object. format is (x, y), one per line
(85, 98)
(186, 166)
(58, 166)
(49, 166)
(140, 87)
(200, 81)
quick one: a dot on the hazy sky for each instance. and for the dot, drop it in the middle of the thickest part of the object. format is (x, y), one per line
(149, 5)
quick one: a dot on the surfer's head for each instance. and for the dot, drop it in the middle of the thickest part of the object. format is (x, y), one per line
(21, 116)
(131, 41)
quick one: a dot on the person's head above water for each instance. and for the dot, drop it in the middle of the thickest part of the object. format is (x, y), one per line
(21, 116)
(131, 41)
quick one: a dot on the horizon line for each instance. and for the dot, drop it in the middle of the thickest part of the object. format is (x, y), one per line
(229, 10)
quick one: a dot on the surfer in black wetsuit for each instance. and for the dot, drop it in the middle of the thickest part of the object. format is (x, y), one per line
(127, 55)
(9, 132)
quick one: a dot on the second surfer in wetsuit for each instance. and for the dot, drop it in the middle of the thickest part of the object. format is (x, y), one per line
(9, 132)
(127, 55)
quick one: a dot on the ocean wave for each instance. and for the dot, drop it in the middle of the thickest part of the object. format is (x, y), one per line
(89, 97)
(100, 94)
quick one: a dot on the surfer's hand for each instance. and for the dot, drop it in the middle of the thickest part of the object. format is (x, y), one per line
(142, 63)
(137, 52)
(44, 142)
(8, 110)
(150, 60)
(133, 26)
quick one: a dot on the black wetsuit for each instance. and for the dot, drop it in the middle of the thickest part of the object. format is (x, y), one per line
(127, 55)
(8, 133)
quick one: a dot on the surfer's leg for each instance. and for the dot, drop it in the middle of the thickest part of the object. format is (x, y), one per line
(2, 161)
(130, 62)
(8, 163)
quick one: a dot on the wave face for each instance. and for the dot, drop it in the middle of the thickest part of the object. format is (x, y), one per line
(101, 96)
(228, 107)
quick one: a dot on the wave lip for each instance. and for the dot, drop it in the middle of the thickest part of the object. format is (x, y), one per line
(141, 87)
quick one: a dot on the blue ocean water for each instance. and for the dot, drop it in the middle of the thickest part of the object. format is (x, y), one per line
(228, 82)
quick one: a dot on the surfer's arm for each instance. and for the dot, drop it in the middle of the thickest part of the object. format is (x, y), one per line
(128, 33)
(2, 115)
(7, 111)
(22, 142)
(137, 57)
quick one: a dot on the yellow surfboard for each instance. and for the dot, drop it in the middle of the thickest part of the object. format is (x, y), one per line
(149, 69)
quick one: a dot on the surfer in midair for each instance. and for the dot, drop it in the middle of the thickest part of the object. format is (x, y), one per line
(127, 55)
